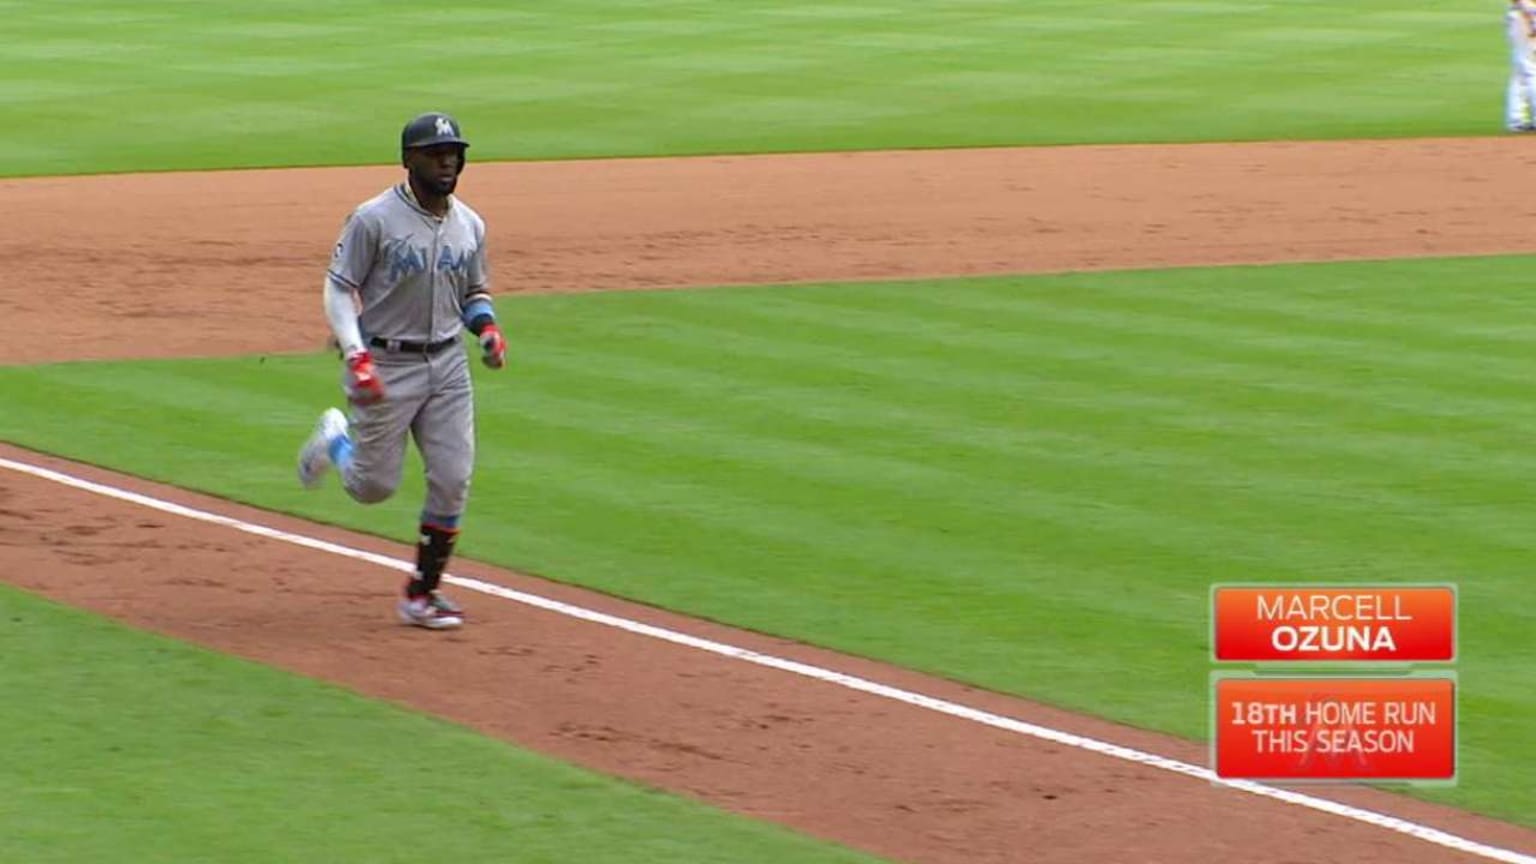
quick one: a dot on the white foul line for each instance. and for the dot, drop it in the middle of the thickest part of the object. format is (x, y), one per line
(1381, 820)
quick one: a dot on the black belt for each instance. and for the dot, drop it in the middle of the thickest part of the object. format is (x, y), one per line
(406, 346)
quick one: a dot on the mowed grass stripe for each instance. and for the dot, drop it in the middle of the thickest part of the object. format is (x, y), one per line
(1291, 378)
(1089, 343)
(1478, 309)
(795, 507)
(1035, 500)
(1002, 456)
(158, 85)
(1095, 332)
(1316, 332)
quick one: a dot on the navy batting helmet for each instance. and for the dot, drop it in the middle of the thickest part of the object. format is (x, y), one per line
(431, 129)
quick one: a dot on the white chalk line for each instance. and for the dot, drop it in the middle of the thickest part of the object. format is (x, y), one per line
(1092, 745)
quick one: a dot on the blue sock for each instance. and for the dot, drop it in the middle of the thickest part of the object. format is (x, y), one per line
(341, 452)
(448, 523)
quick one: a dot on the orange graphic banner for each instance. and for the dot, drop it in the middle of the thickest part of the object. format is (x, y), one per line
(1333, 624)
(1335, 728)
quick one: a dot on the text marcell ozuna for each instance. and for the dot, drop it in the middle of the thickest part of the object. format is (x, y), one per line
(1331, 622)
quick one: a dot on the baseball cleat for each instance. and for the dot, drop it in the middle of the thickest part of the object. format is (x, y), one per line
(420, 612)
(315, 455)
(445, 605)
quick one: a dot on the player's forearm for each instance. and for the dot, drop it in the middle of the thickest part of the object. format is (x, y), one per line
(478, 312)
(341, 311)
(480, 317)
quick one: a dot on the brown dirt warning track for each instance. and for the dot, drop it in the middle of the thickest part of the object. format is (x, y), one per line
(201, 264)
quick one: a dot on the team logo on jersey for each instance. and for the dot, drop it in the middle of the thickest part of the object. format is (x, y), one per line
(447, 262)
(444, 126)
(405, 260)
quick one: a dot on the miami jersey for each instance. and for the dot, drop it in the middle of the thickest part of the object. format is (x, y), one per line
(412, 270)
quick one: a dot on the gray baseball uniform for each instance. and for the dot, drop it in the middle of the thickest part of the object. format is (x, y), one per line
(413, 273)
(408, 276)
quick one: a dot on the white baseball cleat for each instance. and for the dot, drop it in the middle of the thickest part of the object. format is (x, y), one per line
(315, 455)
(421, 612)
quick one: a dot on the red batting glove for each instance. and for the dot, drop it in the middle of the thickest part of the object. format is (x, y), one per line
(493, 346)
(365, 387)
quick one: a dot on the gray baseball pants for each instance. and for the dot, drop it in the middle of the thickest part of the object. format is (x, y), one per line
(431, 398)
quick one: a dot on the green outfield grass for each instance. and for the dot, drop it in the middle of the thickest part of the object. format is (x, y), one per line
(156, 84)
(1026, 483)
(139, 749)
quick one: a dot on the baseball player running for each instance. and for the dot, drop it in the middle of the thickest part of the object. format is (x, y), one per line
(1520, 101)
(407, 276)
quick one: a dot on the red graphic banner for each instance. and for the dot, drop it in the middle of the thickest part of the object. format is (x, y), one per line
(1332, 624)
(1335, 728)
